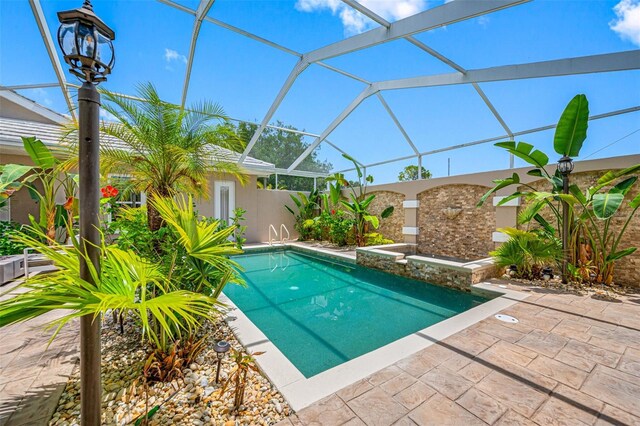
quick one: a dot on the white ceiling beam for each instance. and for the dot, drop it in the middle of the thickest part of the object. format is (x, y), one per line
(370, 14)
(608, 62)
(341, 151)
(30, 86)
(397, 122)
(201, 13)
(502, 137)
(368, 91)
(447, 14)
(36, 7)
(295, 72)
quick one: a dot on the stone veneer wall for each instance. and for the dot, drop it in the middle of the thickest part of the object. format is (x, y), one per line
(451, 224)
(458, 278)
(392, 226)
(627, 269)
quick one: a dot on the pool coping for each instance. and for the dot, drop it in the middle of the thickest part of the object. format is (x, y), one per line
(301, 392)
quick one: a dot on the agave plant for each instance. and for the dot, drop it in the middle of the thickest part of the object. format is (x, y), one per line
(126, 282)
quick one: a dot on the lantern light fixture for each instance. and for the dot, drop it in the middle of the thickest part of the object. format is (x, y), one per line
(565, 165)
(86, 43)
(221, 348)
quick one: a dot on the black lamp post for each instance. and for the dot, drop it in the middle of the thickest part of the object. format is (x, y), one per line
(86, 44)
(565, 167)
(221, 348)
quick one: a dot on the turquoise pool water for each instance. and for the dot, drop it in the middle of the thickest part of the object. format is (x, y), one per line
(321, 313)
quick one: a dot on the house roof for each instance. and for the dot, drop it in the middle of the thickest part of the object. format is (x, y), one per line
(17, 106)
(11, 131)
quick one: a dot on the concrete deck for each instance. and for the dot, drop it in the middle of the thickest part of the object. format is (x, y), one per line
(571, 360)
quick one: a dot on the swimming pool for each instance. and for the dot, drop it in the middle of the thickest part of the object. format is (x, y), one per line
(321, 313)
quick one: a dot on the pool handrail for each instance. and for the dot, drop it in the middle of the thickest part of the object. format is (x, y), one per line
(282, 238)
(271, 227)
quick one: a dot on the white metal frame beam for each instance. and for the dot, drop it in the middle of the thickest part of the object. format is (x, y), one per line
(447, 14)
(498, 138)
(36, 7)
(608, 62)
(200, 14)
(375, 17)
(621, 61)
(30, 86)
(395, 120)
(368, 91)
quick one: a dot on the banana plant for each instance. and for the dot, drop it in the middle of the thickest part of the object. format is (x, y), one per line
(48, 177)
(358, 205)
(10, 175)
(594, 242)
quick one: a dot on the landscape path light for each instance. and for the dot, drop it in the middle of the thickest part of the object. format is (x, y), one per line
(221, 348)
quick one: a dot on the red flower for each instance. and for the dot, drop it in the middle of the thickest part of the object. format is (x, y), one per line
(109, 191)
(333, 211)
(69, 204)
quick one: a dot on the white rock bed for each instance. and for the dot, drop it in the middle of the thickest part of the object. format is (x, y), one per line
(197, 403)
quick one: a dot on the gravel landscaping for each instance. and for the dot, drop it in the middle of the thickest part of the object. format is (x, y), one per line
(198, 400)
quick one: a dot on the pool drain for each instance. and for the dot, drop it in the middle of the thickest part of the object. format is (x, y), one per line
(507, 318)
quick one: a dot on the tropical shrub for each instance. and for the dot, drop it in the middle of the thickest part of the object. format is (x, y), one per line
(126, 282)
(7, 245)
(376, 239)
(48, 177)
(594, 243)
(529, 252)
(358, 205)
(307, 208)
(341, 230)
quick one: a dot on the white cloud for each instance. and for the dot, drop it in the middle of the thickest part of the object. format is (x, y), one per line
(483, 21)
(627, 22)
(354, 22)
(171, 55)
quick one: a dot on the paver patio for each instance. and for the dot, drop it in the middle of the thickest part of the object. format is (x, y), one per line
(32, 375)
(570, 360)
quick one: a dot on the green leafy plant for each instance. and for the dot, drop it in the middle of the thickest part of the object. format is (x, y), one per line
(376, 239)
(125, 282)
(240, 229)
(307, 206)
(205, 267)
(594, 241)
(411, 173)
(7, 245)
(358, 205)
(45, 180)
(528, 251)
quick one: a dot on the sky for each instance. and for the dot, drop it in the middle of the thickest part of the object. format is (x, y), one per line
(244, 76)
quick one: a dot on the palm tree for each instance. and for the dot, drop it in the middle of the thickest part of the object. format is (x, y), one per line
(167, 149)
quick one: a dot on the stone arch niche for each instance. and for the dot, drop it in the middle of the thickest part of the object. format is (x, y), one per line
(451, 225)
(392, 226)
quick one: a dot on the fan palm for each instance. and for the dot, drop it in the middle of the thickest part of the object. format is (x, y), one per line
(126, 282)
(166, 149)
(206, 265)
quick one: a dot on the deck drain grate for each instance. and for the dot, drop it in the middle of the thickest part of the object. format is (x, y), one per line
(507, 318)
